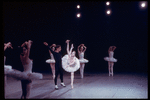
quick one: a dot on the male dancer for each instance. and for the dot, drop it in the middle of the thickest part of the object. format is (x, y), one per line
(58, 64)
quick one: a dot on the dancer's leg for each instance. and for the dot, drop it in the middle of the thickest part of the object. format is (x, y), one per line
(109, 67)
(61, 76)
(56, 75)
(26, 86)
(112, 64)
(72, 78)
(82, 70)
(53, 69)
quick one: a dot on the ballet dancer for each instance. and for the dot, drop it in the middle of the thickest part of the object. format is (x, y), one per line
(81, 50)
(52, 60)
(58, 64)
(27, 75)
(70, 62)
(110, 59)
(6, 67)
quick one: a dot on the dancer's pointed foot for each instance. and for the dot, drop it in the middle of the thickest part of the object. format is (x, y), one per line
(72, 86)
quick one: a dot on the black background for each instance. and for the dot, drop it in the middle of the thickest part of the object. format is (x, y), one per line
(55, 22)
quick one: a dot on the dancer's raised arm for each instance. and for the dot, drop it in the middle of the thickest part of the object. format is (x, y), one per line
(84, 48)
(67, 41)
(29, 43)
(7, 45)
(46, 44)
(113, 48)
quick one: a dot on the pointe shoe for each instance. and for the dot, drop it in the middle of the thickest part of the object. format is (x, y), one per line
(72, 86)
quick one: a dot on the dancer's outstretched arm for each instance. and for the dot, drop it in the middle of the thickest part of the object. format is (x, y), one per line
(46, 44)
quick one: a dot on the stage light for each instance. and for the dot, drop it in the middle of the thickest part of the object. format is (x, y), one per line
(143, 5)
(78, 6)
(108, 3)
(108, 12)
(78, 15)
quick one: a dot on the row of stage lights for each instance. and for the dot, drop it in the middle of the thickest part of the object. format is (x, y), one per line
(142, 4)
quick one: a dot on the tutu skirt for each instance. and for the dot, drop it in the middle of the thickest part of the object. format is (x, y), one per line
(70, 68)
(8, 67)
(83, 60)
(111, 59)
(22, 75)
(50, 61)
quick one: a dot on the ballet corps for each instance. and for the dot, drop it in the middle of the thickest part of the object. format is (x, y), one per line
(69, 62)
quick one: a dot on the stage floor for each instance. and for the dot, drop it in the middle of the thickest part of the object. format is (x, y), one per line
(92, 86)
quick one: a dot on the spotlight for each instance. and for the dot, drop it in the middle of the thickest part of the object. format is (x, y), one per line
(107, 3)
(143, 4)
(78, 6)
(78, 15)
(108, 12)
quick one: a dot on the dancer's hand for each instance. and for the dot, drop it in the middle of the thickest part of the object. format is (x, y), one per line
(45, 43)
(9, 45)
(54, 45)
(72, 46)
(29, 41)
(67, 41)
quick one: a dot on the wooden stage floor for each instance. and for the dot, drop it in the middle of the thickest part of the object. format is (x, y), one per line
(92, 86)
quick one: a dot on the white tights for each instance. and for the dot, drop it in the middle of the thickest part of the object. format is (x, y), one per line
(72, 78)
(53, 69)
(110, 68)
(82, 69)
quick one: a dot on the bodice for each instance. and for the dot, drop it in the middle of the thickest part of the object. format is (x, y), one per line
(81, 55)
(111, 54)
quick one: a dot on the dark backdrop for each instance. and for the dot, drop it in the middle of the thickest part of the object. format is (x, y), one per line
(54, 22)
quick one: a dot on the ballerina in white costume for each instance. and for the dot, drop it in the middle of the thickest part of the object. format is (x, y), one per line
(6, 67)
(27, 75)
(110, 59)
(81, 51)
(52, 60)
(70, 63)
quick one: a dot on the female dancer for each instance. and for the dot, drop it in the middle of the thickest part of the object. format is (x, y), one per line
(70, 63)
(52, 60)
(110, 59)
(6, 67)
(81, 50)
(27, 75)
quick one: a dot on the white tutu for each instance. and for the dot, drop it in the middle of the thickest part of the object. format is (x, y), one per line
(22, 75)
(111, 59)
(83, 60)
(70, 68)
(7, 67)
(50, 61)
